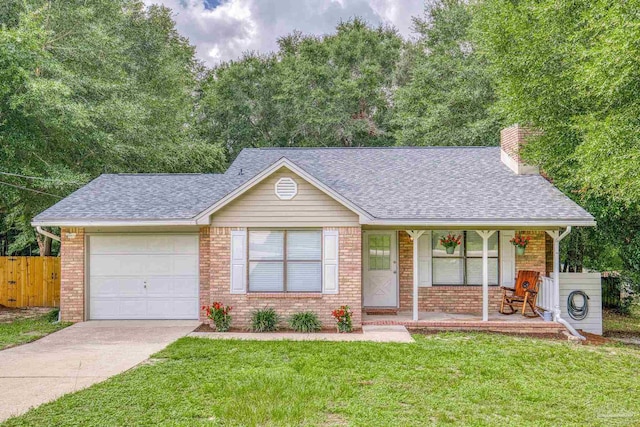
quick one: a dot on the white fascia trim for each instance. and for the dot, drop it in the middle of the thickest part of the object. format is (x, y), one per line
(485, 223)
(106, 223)
(203, 217)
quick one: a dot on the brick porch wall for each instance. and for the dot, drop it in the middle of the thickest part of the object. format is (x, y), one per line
(461, 299)
(72, 274)
(548, 253)
(349, 276)
(535, 256)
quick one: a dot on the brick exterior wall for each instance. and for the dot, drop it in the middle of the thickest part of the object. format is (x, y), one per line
(215, 254)
(72, 274)
(461, 299)
(204, 244)
(349, 276)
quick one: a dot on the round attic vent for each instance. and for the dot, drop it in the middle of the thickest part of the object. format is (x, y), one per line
(286, 188)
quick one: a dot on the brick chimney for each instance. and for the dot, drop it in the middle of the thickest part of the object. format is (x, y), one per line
(511, 139)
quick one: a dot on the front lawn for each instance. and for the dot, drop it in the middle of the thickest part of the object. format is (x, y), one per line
(449, 378)
(24, 330)
(618, 325)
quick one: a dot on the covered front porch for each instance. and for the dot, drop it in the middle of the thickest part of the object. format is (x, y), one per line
(409, 273)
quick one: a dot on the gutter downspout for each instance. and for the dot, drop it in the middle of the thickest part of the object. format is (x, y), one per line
(556, 284)
(47, 234)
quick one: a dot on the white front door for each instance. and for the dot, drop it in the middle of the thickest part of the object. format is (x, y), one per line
(139, 276)
(380, 265)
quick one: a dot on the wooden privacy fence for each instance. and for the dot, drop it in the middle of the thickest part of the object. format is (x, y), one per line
(30, 281)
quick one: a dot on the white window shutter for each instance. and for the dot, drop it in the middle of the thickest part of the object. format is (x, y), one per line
(238, 261)
(424, 259)
(330, 255)
(507, 259)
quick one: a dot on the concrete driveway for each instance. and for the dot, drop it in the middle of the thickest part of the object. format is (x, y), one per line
(78, 356)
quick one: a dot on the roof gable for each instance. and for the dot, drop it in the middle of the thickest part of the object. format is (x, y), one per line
(204, 216)
(260, 206)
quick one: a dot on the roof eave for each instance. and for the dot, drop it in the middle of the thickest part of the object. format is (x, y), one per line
(111, 223)
(520, 223)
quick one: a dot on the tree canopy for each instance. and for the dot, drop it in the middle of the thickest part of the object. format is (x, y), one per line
(314, 91)
(448, 92)
(572, 70)
(88, 87)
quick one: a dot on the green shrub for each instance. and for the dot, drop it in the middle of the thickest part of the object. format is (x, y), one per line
(265, 320)
(305, 321)
(52, 316)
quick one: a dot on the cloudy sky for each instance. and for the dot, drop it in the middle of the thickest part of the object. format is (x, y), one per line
(223, 29)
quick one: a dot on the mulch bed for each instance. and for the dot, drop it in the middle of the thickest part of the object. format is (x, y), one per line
(206, 328)
(593, 339)
(10, 314)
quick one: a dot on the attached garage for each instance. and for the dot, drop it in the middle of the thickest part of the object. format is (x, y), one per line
(139, 276)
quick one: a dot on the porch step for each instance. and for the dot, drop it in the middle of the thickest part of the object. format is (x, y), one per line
(467, 325)
(381, 311)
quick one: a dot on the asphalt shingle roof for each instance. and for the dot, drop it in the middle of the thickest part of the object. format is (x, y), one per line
(426, 183)
(468, 183)
(140, 197)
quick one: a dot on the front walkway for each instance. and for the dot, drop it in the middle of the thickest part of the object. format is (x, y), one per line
(78, 356)
(497, 322)
(375, 333)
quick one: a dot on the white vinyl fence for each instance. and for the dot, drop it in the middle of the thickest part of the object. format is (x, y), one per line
(590, 284)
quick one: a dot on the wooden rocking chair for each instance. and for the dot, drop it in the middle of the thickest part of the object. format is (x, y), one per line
(524, 294)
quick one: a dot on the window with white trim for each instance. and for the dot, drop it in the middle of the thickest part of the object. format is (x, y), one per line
(464, 265)
(285, 261)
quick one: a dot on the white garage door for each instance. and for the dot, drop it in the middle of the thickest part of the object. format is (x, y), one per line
(143, 277)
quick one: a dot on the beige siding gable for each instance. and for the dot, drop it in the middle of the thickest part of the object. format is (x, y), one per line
(260, 207)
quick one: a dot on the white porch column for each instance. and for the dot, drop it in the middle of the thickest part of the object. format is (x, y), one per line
(556, 236)
(415, 235)
(485, 272)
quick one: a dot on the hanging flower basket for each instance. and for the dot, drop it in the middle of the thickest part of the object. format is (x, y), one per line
(520, 242)
(450, 242)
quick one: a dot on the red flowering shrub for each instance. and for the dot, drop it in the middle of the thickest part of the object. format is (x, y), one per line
(343, 318)
(219, 313)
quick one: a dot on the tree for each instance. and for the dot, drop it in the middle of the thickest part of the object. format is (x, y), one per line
(448, 97)
(572, 69)
(334, 90)
(88, 87)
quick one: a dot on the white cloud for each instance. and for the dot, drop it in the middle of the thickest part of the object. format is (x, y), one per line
(227, 28)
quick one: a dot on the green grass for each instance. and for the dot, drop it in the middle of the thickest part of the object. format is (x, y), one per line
(615, 324)
(443, 379)
(22, 331)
